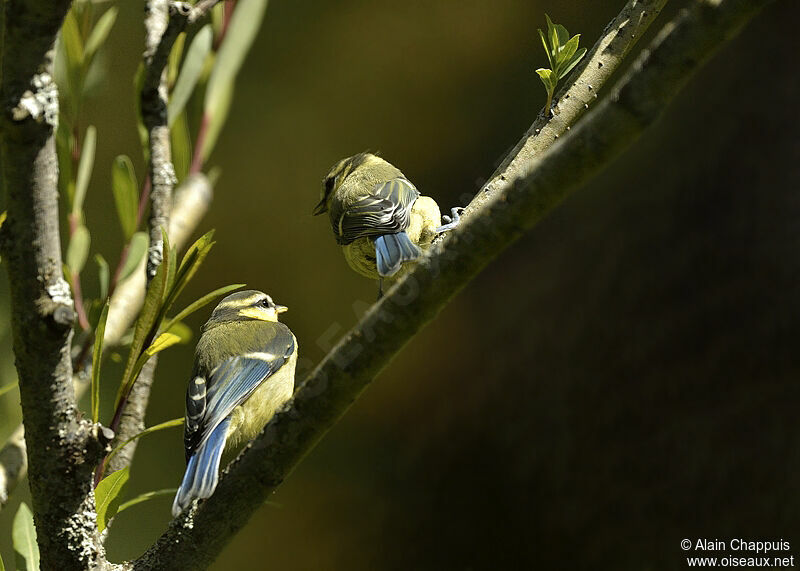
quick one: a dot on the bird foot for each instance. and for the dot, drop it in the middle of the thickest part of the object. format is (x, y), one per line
(451, 223)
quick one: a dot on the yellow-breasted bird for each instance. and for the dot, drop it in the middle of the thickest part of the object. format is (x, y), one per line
(377, 215)
(243, 372)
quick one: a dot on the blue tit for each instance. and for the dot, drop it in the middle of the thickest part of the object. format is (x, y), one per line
(243, 372)
(377, 215)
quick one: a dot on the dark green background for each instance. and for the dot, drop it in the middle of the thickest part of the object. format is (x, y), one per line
(623, 377)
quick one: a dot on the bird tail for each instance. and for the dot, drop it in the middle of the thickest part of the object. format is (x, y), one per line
(391, 250)
(202, 471)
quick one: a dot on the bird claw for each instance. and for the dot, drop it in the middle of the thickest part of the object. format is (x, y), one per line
(451, 223)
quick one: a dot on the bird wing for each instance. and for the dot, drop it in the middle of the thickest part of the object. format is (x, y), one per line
(231, 383)
(386, 210)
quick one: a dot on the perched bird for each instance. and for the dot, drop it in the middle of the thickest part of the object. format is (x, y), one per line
(378, 216)
(243, 372)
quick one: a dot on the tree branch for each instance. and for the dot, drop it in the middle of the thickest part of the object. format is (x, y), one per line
(517, 203)
(64, 448)
(192, 200)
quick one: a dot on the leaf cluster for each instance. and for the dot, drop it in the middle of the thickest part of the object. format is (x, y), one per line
(562, 53)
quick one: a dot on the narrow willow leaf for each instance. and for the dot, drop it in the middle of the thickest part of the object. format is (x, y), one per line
(97, 359)
(146, 496)
(126, 194)
(216, 120)
(2, 565)
(575, 59)
(562, 34)
(3, 217)
(78, 249)
(136, 252)
(567, 52)
(8, 388)
(64, 143)
(181, 147)
(73, 51)
(102, 275)
(181, 330)
(85, 166)
(100, 32)
(174, 59)
(191, 262)
(168, 424)
(242, 31)
(23, 535)
(163, 341)
(546, 49)
(190, 72)
(200, 303)
(107, 496)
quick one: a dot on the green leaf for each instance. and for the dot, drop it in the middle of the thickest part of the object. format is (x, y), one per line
(183, 331)
(73, 55)
(546, 76)
(147, 322)
(146, 496)
(575, 59)
(191, 262)
(562, 34)
(102, 275)
(136, 251)
(546, 49)
(107, 496)
(78, 249)
(100, 31)
(126, 194)
(190, 72)
(181, 147)
(8, 388)
(567, 52)
(64, 146)
(217, 120)
(163, 341)
(242, 31)
(97, 359)
(23, 534)
(84, 169)
(200, 303)
(156, 428)
(175, 59)
(2, 565)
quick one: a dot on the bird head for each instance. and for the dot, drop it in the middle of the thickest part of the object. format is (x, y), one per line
(246, 305)
(336, 177)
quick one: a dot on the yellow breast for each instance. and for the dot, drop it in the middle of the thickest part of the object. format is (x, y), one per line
(251, 416)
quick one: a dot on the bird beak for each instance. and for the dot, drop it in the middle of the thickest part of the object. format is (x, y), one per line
(281, 308)
(321, 207)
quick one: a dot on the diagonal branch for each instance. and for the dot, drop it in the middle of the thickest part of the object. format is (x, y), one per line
(517, 203)
(64, 448)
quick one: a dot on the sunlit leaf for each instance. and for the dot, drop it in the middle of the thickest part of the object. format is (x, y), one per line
(107, 496)
(100, 31)
(546, 49)
(136, 252)
(216, 120)
(567, 52)
(85, 167)
(97, 359)
(242, 31)
(190, 72)
(191, 262)
(163, 341)
(575, 59)
(181, 147)
(102, 275)
(78, 249)
(200, 303)
(146, 496)
(183, 331)
(73, 52)
(23, 535)
(126, 194)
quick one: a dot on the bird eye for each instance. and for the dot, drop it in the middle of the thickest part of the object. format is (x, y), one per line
(264, 303)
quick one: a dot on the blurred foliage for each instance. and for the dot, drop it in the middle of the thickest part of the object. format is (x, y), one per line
(624, 377)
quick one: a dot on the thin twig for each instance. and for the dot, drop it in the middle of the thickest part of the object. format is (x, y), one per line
(196, 538)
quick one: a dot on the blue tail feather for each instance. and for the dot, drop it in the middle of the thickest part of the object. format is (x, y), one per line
(391, 250)
(202, 471)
